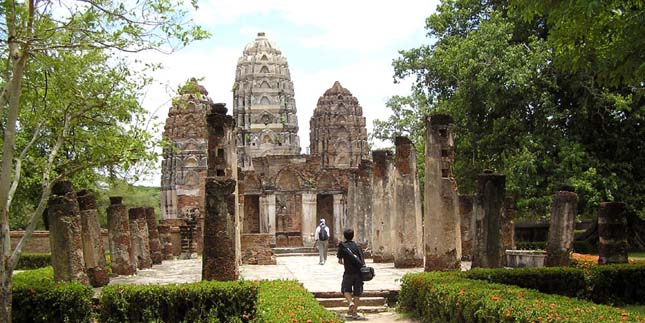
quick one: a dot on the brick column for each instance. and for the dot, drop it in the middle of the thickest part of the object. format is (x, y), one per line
(382, 203)
(166, 241)
(612, 233)
(442, 235)
(153, 236)
(93, 252)
(119, 237)
(408, 229)
(139, 238)
(561, 227)
(465, 217)
(488, 221)
(65, 239)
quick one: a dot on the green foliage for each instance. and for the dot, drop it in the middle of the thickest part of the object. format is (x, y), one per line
(447, 298)
(206, 301)
(34, 261)
(37, 298)
(288, 302)
(564, 281)
(133, 196)
(530, 245)
(616, 284)
(516, 112)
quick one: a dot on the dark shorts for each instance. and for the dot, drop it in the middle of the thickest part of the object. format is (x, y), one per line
(352, 283)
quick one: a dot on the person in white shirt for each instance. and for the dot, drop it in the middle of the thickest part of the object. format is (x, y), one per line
(322, 241)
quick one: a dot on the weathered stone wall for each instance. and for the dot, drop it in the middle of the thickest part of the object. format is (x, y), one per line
(442, 223)
(508, 226)
(256, 249)
(359, 204)
(119, 237)
(465, 216)
(488, 216)
(612, 233)
(65, 234)
(562, 227)
(408, 228)
(382, 204)
(93, 250)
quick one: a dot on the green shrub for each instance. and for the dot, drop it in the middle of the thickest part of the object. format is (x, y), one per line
(564, 281)
(34, 261)
(206, 301)
(617, 284)
(287, 301)
(438, 297)
(37, 298)
(530, 245)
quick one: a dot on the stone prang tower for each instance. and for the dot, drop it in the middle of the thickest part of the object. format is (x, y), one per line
(338, 134)
(264, 107)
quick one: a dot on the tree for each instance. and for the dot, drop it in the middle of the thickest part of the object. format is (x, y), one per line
(519, 113)
(70, 96)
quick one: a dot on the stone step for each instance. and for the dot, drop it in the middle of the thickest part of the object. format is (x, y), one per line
(341, 302)
(361, 309)
(385, 293)
(299, 250)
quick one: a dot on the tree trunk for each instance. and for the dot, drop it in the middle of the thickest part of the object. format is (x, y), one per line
(5, 297)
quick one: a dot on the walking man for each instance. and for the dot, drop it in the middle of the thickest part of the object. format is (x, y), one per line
(351, 256)
(322, 237)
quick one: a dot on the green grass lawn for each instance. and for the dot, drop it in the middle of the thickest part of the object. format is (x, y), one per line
(637, 256)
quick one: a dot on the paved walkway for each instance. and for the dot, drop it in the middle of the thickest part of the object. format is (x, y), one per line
(314, 277)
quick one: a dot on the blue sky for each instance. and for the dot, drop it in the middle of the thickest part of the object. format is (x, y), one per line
(353, 42)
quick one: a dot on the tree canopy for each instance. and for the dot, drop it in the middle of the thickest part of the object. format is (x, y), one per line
(523, 108)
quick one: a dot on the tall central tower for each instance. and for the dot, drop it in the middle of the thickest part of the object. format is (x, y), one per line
(264, 107)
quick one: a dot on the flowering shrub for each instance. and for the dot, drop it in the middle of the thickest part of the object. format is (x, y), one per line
(439, 297)
(283, 301)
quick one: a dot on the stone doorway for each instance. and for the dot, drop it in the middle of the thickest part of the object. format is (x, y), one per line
(325, 210)
(288, 220)
(251, 214)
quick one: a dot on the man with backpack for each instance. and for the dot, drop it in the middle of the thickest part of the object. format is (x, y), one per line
(350, 255)
(322, 236)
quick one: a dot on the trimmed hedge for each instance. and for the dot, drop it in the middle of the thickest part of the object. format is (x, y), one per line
(439, 297)
(566, 281)
(37, 298)
(616, 284)
(287, 301)
(206, 301)
(34, 261)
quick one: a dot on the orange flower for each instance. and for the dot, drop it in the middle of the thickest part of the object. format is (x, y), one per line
(494, 298)
(461, 292)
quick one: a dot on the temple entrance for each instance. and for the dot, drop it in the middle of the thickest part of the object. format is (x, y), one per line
(325, 210)
(288, 216)
(251, 214)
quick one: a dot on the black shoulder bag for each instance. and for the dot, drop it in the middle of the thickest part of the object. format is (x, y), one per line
(367, 273)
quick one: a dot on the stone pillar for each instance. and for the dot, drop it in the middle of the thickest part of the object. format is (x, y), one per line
(65, 238)
(308, 218)
(561, 227)
(339, 216)
(359, 204)
(508, 227)
(267, 214)
(153, 234)
(382, 203)
(222, 256)
(166, 241)
(442, 229)
(408, 229)
(612, 233)
(219, 233)
(119, 237)
(93, 251)
(139, 238)
(488, 213)
(465, 217)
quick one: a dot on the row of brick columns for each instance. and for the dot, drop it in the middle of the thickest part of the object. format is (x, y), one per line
(77, 245)
(482, 227)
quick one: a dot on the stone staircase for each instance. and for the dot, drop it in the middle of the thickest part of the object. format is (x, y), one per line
(372, 301)
(299, 251)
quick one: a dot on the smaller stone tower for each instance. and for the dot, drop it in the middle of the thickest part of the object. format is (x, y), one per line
(338, 134)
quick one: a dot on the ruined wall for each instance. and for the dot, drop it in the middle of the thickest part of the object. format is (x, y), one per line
(256, 249)
(359, 204)
(442, 223)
